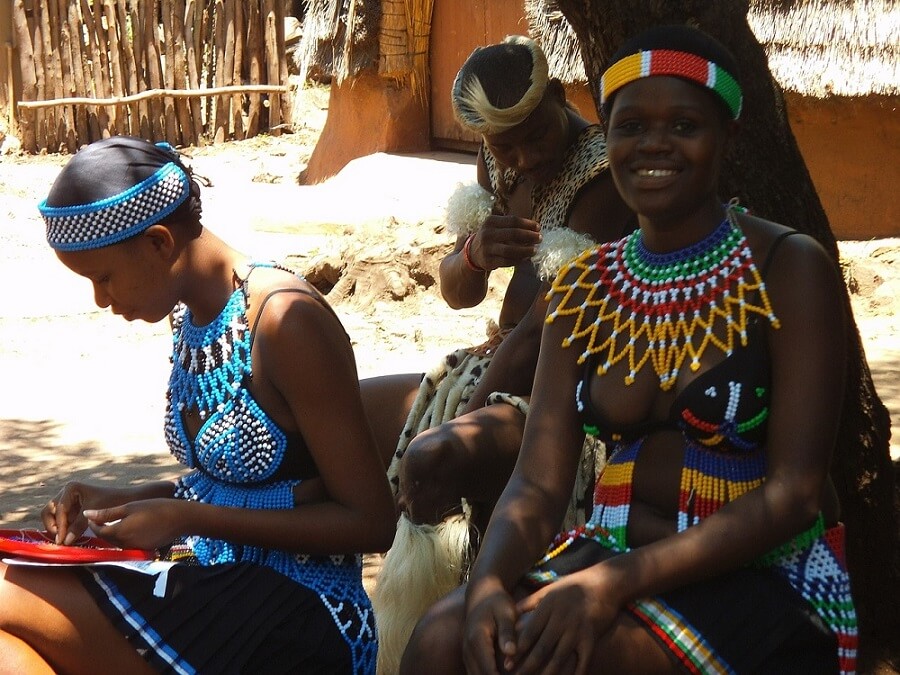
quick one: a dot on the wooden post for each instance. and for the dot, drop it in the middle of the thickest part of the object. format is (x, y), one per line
(28, 71)
(48, 76)
(73, 75)
(129, 75)
(236, 76)
(254, 48)
(9, 54)
(270, 36)
(221, 27)
(194, 57)
(182, 107)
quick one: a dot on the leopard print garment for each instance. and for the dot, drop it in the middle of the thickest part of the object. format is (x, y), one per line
(552, 202)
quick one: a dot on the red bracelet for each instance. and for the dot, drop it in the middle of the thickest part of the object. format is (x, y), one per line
(472, 266)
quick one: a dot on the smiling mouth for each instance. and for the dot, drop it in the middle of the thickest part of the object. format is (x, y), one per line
(655, 173)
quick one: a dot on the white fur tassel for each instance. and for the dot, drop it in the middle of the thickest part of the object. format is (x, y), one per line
(424, 564)
(467, 208)
(558, 246)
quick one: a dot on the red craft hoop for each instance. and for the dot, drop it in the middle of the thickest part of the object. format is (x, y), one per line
(38, 546)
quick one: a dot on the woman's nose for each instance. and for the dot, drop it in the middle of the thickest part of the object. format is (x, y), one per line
(101, 297)
(655, 139)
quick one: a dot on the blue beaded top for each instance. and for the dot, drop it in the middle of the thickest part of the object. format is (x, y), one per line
(234, 457)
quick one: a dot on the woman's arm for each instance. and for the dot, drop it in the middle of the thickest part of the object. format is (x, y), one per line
(501, 241)
(531, 507)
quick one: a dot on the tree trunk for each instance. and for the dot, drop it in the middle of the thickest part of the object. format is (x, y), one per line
(767, 173)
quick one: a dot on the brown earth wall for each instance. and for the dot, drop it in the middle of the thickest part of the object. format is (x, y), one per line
(851, 145)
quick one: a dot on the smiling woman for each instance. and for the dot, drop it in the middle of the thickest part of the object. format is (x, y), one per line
(685, 348)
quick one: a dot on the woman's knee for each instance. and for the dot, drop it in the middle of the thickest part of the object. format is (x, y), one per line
(437, 637)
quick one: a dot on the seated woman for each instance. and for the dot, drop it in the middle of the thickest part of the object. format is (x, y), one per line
(706, 348)
(263, 394)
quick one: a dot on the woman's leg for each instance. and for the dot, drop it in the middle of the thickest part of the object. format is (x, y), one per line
(387, 400)
(51, 612)
(626, 649)
(17, 657)
(470, 457)
(437, 638)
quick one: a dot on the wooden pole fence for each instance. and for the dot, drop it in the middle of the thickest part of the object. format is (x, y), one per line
(184, 71)
(156, 93)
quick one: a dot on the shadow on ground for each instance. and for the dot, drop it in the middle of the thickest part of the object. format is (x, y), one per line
(34, 465)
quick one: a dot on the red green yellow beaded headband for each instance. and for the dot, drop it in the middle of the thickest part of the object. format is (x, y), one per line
(676, 63)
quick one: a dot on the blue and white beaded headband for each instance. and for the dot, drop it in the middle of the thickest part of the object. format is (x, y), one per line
(113, 219)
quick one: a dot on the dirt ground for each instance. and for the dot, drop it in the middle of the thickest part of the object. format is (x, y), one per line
(82, 394)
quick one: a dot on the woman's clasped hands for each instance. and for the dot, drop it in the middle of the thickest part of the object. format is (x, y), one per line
(553, 630)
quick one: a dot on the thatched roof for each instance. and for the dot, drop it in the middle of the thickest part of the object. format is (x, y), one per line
(817, 48)
(832, 48)
(340, 37)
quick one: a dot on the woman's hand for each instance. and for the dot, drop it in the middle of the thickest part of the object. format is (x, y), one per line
(147, 524)
(63, 517)
(489, 633)
(560, 624)
(503, 241)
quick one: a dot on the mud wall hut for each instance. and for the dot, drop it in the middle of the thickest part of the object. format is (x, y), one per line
(837, 62)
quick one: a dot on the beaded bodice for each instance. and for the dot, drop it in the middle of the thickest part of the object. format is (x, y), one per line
(237, 442)
(235, 460)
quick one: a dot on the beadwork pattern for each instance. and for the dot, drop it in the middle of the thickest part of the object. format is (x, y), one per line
(661, 308)
(663, 298)
(676, 63)
(114, 219)
(234, 455)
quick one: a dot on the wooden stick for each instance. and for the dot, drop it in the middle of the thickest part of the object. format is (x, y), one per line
(173, 132)
(51, 78)
(236, 76)
(254, 47)
(29, 78)
(182, 108)
(150, 38)
(105, 81)
(70, 47)
(193, 17)
(131, 79)
(97, 39)
(272, 70)
(115, 62)
(156, 93)
(220, 125)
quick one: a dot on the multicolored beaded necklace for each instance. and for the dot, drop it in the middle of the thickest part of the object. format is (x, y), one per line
(662, 307)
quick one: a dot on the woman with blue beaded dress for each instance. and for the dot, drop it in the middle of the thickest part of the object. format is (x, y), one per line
(252, 576)
(706, 351)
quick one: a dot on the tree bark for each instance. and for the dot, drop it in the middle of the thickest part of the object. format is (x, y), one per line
(766, 171)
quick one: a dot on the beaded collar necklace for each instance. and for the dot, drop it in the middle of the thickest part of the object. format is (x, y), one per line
(662, 308)
(210, 362)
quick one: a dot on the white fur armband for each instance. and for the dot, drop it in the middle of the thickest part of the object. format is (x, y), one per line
(467, 208)
(558, 246)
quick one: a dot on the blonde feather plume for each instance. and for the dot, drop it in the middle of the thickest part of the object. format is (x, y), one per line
(467, 208)
(558, 246)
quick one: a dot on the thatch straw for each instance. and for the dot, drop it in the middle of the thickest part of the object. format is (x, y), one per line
(816, 48)
(831, 48)
(552, 31)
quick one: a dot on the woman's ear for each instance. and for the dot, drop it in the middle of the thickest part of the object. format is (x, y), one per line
(556, 89)
(160, 239)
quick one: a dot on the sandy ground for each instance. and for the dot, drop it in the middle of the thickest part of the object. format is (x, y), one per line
(82, 389)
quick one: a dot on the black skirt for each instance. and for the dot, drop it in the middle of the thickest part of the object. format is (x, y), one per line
(747, 621)
(231, 618)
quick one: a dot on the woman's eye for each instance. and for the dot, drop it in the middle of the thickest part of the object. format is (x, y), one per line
(629, 127)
